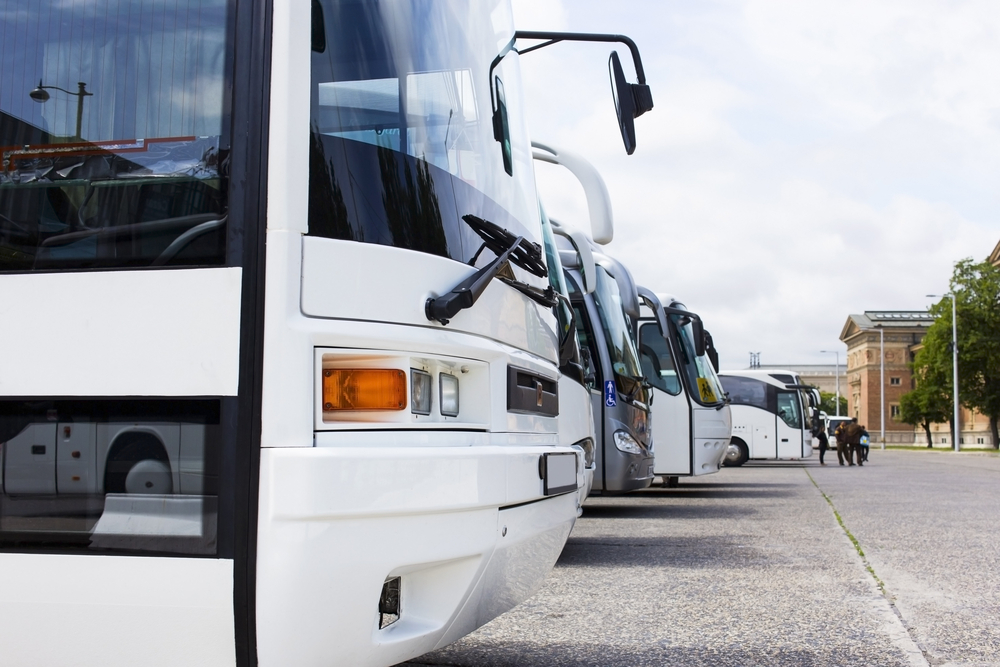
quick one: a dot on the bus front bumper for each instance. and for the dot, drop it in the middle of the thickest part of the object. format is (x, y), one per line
(466, 529)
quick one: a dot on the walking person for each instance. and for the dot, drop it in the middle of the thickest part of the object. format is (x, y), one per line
(853, 432)
(824, 443)
(865, 443)
(840, 435)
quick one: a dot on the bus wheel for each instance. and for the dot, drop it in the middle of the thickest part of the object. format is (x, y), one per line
(137, 463)
(737, 454)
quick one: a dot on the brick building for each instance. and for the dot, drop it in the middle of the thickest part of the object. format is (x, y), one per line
(899, 332)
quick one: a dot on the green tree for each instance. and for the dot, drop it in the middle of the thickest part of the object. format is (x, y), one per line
(976, 286)
(828, 403)
(929, 403)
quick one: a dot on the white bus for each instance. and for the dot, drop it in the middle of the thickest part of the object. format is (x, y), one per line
(773, 413)
(691, 420)
(261, 400)
(605, 305)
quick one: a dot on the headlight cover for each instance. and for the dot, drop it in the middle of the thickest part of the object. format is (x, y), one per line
(626, 443)
(587, 447)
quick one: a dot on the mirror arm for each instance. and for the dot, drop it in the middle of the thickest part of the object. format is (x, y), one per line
(556, 37)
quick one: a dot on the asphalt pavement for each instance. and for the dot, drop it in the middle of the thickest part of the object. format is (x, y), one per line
(757, 566)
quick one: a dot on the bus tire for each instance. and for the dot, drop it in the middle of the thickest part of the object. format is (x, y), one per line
(737, 454)
(137, 463)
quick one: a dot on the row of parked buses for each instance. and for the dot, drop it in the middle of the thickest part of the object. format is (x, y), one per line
(296, 370)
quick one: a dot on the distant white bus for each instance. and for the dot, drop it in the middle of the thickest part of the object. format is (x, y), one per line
(772, 413)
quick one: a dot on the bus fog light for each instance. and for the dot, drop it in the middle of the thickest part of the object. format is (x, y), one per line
(626, 443)
(449, 395)
(364, 389)
(388, 602)
(420, 392)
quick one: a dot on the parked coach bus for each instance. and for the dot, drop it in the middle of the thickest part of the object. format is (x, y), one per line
(691, 420)
(605, 305)
(772, 413)
(261, 399)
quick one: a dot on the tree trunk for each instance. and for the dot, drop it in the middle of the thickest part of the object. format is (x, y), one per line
(930, 438)
(993, 432)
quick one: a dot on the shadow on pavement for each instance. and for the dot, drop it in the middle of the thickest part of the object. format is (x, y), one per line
(660, 653)
(643, 511)
(674, 551)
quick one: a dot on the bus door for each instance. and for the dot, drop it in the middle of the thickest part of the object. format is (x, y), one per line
(763, 445)
(671, 413)
(788, 424)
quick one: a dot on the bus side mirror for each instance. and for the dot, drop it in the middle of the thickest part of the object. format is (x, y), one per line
(501, 128)
(699, 336)
(631, 101)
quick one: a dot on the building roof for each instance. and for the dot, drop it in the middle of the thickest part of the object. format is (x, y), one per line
(805, 369)
(994, 257)
(888, 319)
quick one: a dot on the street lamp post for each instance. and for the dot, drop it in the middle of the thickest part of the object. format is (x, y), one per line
(954, 360)
(881, 379)
(837, 362)
(40, 95)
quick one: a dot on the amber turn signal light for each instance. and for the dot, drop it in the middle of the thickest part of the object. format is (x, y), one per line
(364, 389)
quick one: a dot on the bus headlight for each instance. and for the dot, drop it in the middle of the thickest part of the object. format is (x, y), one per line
(449, 395)
(587, 446)
(420, 392)
(626, 443)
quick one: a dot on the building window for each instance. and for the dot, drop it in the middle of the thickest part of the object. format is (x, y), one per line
(894, 381)
(894, 411)
(943, 440)
(979, 441)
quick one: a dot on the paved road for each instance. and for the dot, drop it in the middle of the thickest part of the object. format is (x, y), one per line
(751, 567)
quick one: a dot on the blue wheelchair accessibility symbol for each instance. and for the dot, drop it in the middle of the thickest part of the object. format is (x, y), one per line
(610, 395)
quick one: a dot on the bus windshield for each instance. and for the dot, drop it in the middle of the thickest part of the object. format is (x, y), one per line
(618, 335)
(113, 133)
(704, 383)
(402, 138)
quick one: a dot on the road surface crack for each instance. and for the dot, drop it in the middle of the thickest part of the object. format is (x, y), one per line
(927, 659)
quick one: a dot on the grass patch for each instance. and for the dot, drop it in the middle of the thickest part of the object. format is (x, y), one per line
(979, 449)
(850, 536)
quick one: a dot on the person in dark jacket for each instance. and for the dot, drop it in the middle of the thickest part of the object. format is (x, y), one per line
(841, 436)
(853, 432)
(824, 443)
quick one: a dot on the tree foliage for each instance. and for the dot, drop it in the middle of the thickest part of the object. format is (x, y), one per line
(828, 403)
(929, 403)
(976, 286)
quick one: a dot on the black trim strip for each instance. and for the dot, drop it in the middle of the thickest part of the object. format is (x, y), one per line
(532, 502)
(248, 205)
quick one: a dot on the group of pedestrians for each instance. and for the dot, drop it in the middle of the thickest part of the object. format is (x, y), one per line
(852, 443)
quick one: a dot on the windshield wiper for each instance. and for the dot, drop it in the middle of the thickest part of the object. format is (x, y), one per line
(509, 249)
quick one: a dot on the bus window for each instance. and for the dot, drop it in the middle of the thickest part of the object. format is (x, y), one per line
(745, 391)
(115, 135)
(118, 475)
(789, 408)
(657, 360)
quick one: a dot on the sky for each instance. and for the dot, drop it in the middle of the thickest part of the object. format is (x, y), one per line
(803, 160)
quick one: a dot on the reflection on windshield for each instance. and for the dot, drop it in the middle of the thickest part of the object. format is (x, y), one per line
(402, 139)
(704, 383)
(789, 408)
(617, 333)
(657, 360)
(112, 134)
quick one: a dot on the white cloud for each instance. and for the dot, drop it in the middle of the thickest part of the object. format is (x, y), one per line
(804, 160)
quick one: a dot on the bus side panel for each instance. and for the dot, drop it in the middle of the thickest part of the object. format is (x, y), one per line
(671, 421)
(712, 431)
(84, 342)
(116, 610)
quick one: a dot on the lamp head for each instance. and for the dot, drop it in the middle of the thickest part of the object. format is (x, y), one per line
(39, 94)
